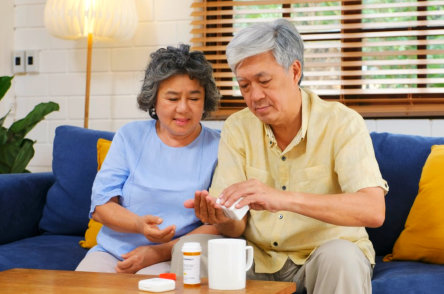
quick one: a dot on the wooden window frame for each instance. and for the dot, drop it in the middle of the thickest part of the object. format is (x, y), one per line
(210, 20)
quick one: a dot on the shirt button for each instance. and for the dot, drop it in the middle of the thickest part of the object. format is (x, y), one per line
(284, 188)
(281, 216)
(275, 243)
(283, 158)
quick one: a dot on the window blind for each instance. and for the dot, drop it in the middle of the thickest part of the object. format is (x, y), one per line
(381, 57)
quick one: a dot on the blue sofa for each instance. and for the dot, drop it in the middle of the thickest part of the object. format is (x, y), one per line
(43, 216)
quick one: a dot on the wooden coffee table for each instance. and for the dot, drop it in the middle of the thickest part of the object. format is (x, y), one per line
(66, 282)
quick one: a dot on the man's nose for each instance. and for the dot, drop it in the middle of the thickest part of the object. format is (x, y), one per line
(256, 93)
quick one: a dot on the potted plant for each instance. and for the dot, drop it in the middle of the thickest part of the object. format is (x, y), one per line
(16, 151)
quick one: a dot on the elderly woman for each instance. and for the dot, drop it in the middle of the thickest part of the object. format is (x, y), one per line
(153, 166)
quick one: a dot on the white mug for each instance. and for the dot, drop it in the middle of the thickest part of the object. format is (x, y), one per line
(228, 263)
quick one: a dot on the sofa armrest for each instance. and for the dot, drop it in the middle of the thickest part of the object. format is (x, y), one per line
(22, 197)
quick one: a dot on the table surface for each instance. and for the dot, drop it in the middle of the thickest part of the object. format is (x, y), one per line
(67, 282)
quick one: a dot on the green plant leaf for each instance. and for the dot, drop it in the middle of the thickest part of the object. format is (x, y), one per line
(20, 128)
(24, 156)
(14, 157)
(15, 150)
(4, 169)
(8, 153)
(3, 135)
(5, 84)
(2, 120)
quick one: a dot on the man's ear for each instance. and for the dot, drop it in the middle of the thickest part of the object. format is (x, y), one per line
(296, 71)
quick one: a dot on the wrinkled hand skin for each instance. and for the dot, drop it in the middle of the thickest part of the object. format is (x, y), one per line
(138, 259)
(206, 209)
(150, 229)
(255, 194)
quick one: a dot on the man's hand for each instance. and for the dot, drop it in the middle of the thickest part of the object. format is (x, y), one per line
(364, 208)
(138, 259)
(206, 209)
(255, 194)
(148, 226)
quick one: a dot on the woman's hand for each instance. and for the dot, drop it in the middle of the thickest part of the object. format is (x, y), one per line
(120, 219)
(139, 258)
(148, 226)
(209, 212)
(206, 209)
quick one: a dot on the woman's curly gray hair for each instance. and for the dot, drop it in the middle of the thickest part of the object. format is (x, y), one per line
(174, 61)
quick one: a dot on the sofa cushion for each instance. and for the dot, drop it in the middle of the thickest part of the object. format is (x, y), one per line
(22, 197)
(74, 166)
(400, 158)
(407, 277)
(423, 236)
(55, 252)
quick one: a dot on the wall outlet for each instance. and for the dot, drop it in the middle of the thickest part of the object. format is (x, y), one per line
(18, 61)
(32, 61)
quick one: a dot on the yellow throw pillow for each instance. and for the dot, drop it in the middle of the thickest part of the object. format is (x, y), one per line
(91, 234)
(102, 150)
(423, 236)
(93, 226)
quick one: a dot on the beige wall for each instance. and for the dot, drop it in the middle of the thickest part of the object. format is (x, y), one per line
(6, 47)
(7, 35)
(117, 70)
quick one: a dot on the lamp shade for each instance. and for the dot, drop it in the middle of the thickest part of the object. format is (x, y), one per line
(104, 19)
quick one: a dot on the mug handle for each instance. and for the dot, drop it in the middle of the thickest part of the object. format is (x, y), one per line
(249, 257)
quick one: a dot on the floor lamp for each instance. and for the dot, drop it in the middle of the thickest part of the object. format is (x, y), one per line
(91, 19)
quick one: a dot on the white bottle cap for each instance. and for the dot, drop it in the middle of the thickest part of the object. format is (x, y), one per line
(191, 247)
(157, 285)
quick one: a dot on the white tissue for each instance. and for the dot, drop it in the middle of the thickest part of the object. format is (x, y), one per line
(233, 212)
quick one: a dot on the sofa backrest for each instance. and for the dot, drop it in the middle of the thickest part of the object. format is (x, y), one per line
(400, 158)
(74, 166)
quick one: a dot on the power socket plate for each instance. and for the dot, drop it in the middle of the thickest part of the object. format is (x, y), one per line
(32, 59)
(18, 61)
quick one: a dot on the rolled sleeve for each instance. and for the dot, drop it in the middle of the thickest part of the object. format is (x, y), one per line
(355, 161)
(111, 178)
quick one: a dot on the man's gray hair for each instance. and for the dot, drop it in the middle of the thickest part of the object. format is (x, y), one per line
(280, 37)
(170, 61)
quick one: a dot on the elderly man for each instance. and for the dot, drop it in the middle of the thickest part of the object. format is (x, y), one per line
(305, 167)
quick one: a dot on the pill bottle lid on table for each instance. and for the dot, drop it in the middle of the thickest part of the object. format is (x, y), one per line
(191, 247)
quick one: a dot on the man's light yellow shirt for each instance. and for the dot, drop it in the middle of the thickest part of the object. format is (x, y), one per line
(332, 153)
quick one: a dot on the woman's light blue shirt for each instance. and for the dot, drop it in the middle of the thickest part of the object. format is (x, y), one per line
(152, 178)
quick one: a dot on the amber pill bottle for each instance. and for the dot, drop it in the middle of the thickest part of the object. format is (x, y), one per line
(191, 264)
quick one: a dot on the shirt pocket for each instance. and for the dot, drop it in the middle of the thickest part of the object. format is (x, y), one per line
(261, 175)
(313, 179)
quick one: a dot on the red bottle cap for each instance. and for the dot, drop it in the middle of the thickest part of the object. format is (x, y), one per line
(169, 276)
